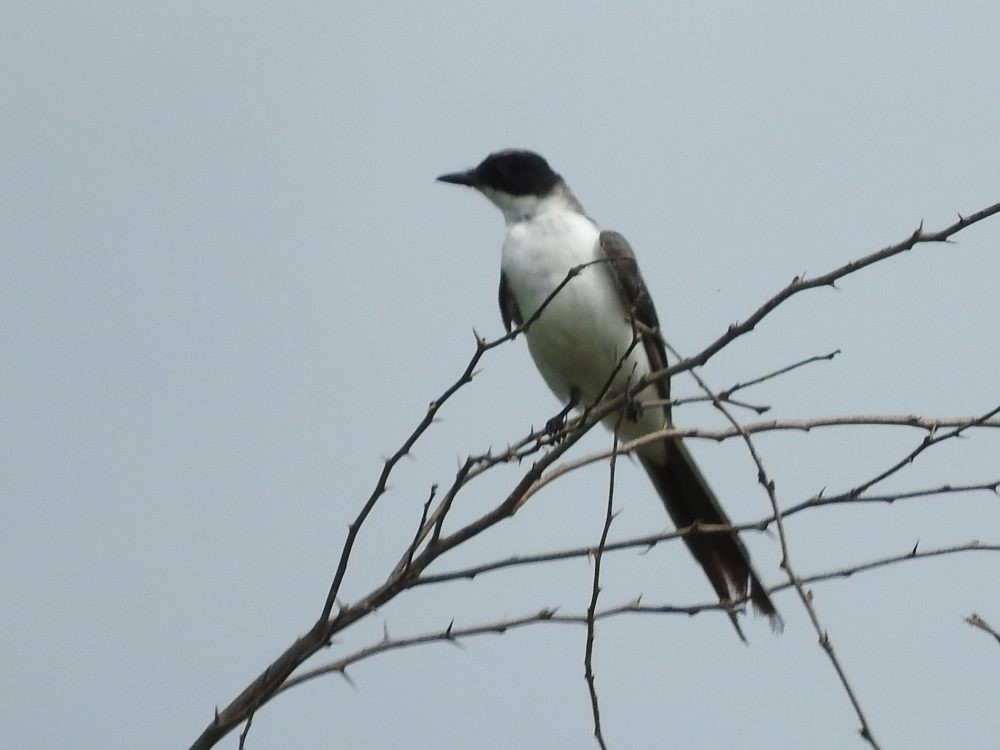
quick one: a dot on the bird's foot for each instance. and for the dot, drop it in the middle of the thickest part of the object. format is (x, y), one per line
(555, 427)
(633, 410)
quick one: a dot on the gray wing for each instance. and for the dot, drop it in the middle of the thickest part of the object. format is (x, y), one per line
(636, 300)
(508, 306)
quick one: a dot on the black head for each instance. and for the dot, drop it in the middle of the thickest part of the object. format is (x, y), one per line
(513, 171)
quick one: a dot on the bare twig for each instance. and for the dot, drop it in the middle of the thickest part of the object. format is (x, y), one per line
(246, 731)
(588, 658)
(929, 440)
(768, 484)
(847, 498)
(978, 622)
(550, 614)
(803, 425)
(416, 537)
(390, 463)
(829, 279)
(726, 394)
(651, 540)
(270, 681)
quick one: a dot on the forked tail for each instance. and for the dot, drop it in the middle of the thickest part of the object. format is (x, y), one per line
(723, 557)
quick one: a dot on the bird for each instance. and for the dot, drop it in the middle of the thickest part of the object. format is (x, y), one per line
(596, 332)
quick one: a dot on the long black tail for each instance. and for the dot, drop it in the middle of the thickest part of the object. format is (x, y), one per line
(722, 556)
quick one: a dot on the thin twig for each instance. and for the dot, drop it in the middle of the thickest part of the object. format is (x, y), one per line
(246, 731)
(588, 658)
(829, 279)
(416, 537)
(768, 484)
(802, 425)
(728, 392)
(550, 614)
(847, 498)
(390, 463)
(649, 541)
(266, 685)
(929, 440)
(978, 622)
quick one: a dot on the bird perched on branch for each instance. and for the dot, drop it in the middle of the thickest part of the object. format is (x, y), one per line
(597, 334)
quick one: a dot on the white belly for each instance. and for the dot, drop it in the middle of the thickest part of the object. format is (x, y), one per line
(582, 334)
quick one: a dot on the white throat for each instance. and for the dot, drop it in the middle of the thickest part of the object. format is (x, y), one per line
(518, 208)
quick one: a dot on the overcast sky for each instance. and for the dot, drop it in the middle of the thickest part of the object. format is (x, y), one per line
(229, 286)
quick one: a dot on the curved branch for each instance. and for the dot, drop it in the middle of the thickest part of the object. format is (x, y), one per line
(453, 634)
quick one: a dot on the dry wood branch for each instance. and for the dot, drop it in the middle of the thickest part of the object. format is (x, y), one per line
(276, 674)
(453, 634)
(807, 601)
(829, 279)
(796, 425)
(588, 658)
(928, 441)
(649, 541)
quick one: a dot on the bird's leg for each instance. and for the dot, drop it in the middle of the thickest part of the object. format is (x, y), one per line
(633, 409)
(555, 425)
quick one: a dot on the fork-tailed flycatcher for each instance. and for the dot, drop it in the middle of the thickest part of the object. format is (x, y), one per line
(601, 327)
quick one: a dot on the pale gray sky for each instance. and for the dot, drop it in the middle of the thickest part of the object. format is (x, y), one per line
(229, 285)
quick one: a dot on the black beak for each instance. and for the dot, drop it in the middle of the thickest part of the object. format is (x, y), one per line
(467, 178)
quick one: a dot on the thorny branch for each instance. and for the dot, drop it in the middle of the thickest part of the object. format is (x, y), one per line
(277, 675)
(804, 425)
(588, 658)
(769, 486)
(551, 614)
(647, 542)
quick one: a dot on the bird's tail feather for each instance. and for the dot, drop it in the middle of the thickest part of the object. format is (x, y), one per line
(723, 557)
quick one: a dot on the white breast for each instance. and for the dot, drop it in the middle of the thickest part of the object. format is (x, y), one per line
(582, 333)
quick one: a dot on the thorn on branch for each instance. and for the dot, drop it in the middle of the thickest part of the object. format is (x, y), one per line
(347, 677)
(913, 552)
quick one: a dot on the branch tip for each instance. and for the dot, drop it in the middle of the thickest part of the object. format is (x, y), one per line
(347, 678)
